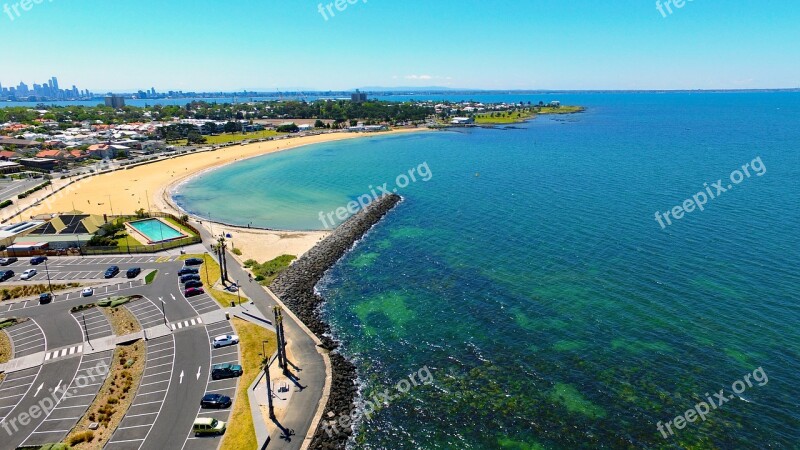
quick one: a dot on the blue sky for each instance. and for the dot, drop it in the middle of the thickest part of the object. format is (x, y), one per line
(488, 44)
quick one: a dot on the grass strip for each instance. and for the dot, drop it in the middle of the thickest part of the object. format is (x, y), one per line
(241, 433)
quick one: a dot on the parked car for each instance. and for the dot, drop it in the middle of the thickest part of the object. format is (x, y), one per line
(45, 298)
(7, 261)
(133, 272)
(111, 272)
(208, 426)
(36, 260)
(215, 401)
(88, 292)
(219, 371)
(193, 284)
(6, 274)
(193, 262)
(225, 340)
(186, 278)
(28, 274)
(191, 292)
(188, 271)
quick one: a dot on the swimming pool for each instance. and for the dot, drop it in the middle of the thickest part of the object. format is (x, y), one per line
(155, 230)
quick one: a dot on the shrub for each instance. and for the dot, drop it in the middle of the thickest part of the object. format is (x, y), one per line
(6, 203)
(236, 252)
(84, 436)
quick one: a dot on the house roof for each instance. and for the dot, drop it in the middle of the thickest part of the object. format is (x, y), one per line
(49, 154)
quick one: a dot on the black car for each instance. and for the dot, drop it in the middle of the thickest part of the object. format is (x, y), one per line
(188, 271)
(7, 261)
(187, 278)
(111, 272)
(45, 298)
(133, 272)
(193, 284)
(6, 274)
(36, 260)
(215, 401)
(219, 371)
(193, 262)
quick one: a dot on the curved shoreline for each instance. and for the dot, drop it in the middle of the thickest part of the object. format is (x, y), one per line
(296, 288)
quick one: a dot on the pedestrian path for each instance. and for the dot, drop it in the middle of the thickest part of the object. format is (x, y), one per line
(186, 323)
(64, 352)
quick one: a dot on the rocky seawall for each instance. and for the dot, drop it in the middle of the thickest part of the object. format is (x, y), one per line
(295, 288)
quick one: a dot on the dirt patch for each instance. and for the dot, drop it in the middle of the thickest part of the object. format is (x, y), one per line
(122, 321)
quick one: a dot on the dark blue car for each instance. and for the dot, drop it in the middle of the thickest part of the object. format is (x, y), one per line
(111, 272)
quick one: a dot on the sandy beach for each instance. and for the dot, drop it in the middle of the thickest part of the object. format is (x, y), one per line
(148, 187)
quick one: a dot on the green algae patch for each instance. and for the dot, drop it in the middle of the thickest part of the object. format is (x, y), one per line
(387, 312)
(568, 346)
(570, 398)
(510, 444)
(639, 347)
(364, 260)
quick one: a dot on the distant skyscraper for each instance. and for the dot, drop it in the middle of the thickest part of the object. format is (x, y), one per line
(115, 102)
(358, 97)
(54, 83)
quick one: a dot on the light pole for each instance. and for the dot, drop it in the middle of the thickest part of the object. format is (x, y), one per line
(47, 272)
(110, 205)
(269, 382)
(205, 264)
(163, 313)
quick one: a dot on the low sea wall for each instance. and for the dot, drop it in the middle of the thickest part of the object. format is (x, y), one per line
(295, 288)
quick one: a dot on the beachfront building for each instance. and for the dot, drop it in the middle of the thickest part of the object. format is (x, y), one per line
(9, 167)
(39, 163)
(10, 233)
(462, 121)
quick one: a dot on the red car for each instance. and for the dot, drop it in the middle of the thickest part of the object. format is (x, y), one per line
(191, 292)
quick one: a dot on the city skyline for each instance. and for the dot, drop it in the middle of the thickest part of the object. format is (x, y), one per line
(541, 45)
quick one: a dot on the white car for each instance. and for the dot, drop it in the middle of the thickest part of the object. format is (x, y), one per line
(88, 292)
(222, 341)
(28, 274)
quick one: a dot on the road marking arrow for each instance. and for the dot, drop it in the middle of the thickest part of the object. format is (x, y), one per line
(58, 386)
(198, 372)
(38, 389)
(181, 382)
(173, 297)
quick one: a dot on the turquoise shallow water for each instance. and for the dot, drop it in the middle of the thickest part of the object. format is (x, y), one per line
(530, 275)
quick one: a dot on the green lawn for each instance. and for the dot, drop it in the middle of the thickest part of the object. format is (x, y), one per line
(240, 433)
(150, 277)
(180, 226)
(503, 118)
(235, 137)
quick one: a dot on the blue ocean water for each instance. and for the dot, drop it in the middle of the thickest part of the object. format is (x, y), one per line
(529, 273)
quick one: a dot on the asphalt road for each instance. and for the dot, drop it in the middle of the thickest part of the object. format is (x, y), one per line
(176, 373)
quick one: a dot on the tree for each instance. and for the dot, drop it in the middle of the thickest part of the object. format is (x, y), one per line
(291, 128)
(195, 138)
(232, 127)
(319, 124)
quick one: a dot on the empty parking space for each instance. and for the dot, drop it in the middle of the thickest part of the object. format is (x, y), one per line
(146, 312)
(144, 411)
(203, 303)
(227, 387)
(15, 386)
(75, 400)
(110, 260)
(27, 338)
(93, 323)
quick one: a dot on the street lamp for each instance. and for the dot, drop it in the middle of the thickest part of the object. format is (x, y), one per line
(269, 382)
(164, 313)
(47, 272)
(110, 205)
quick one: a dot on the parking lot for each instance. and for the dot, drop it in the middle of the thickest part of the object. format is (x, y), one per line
(144, 411)
(14, 388)
(109, 260)
(227, 387)
(146, 312)
(27, 338)
(75, 400)
(93, 323)
(203, 303)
